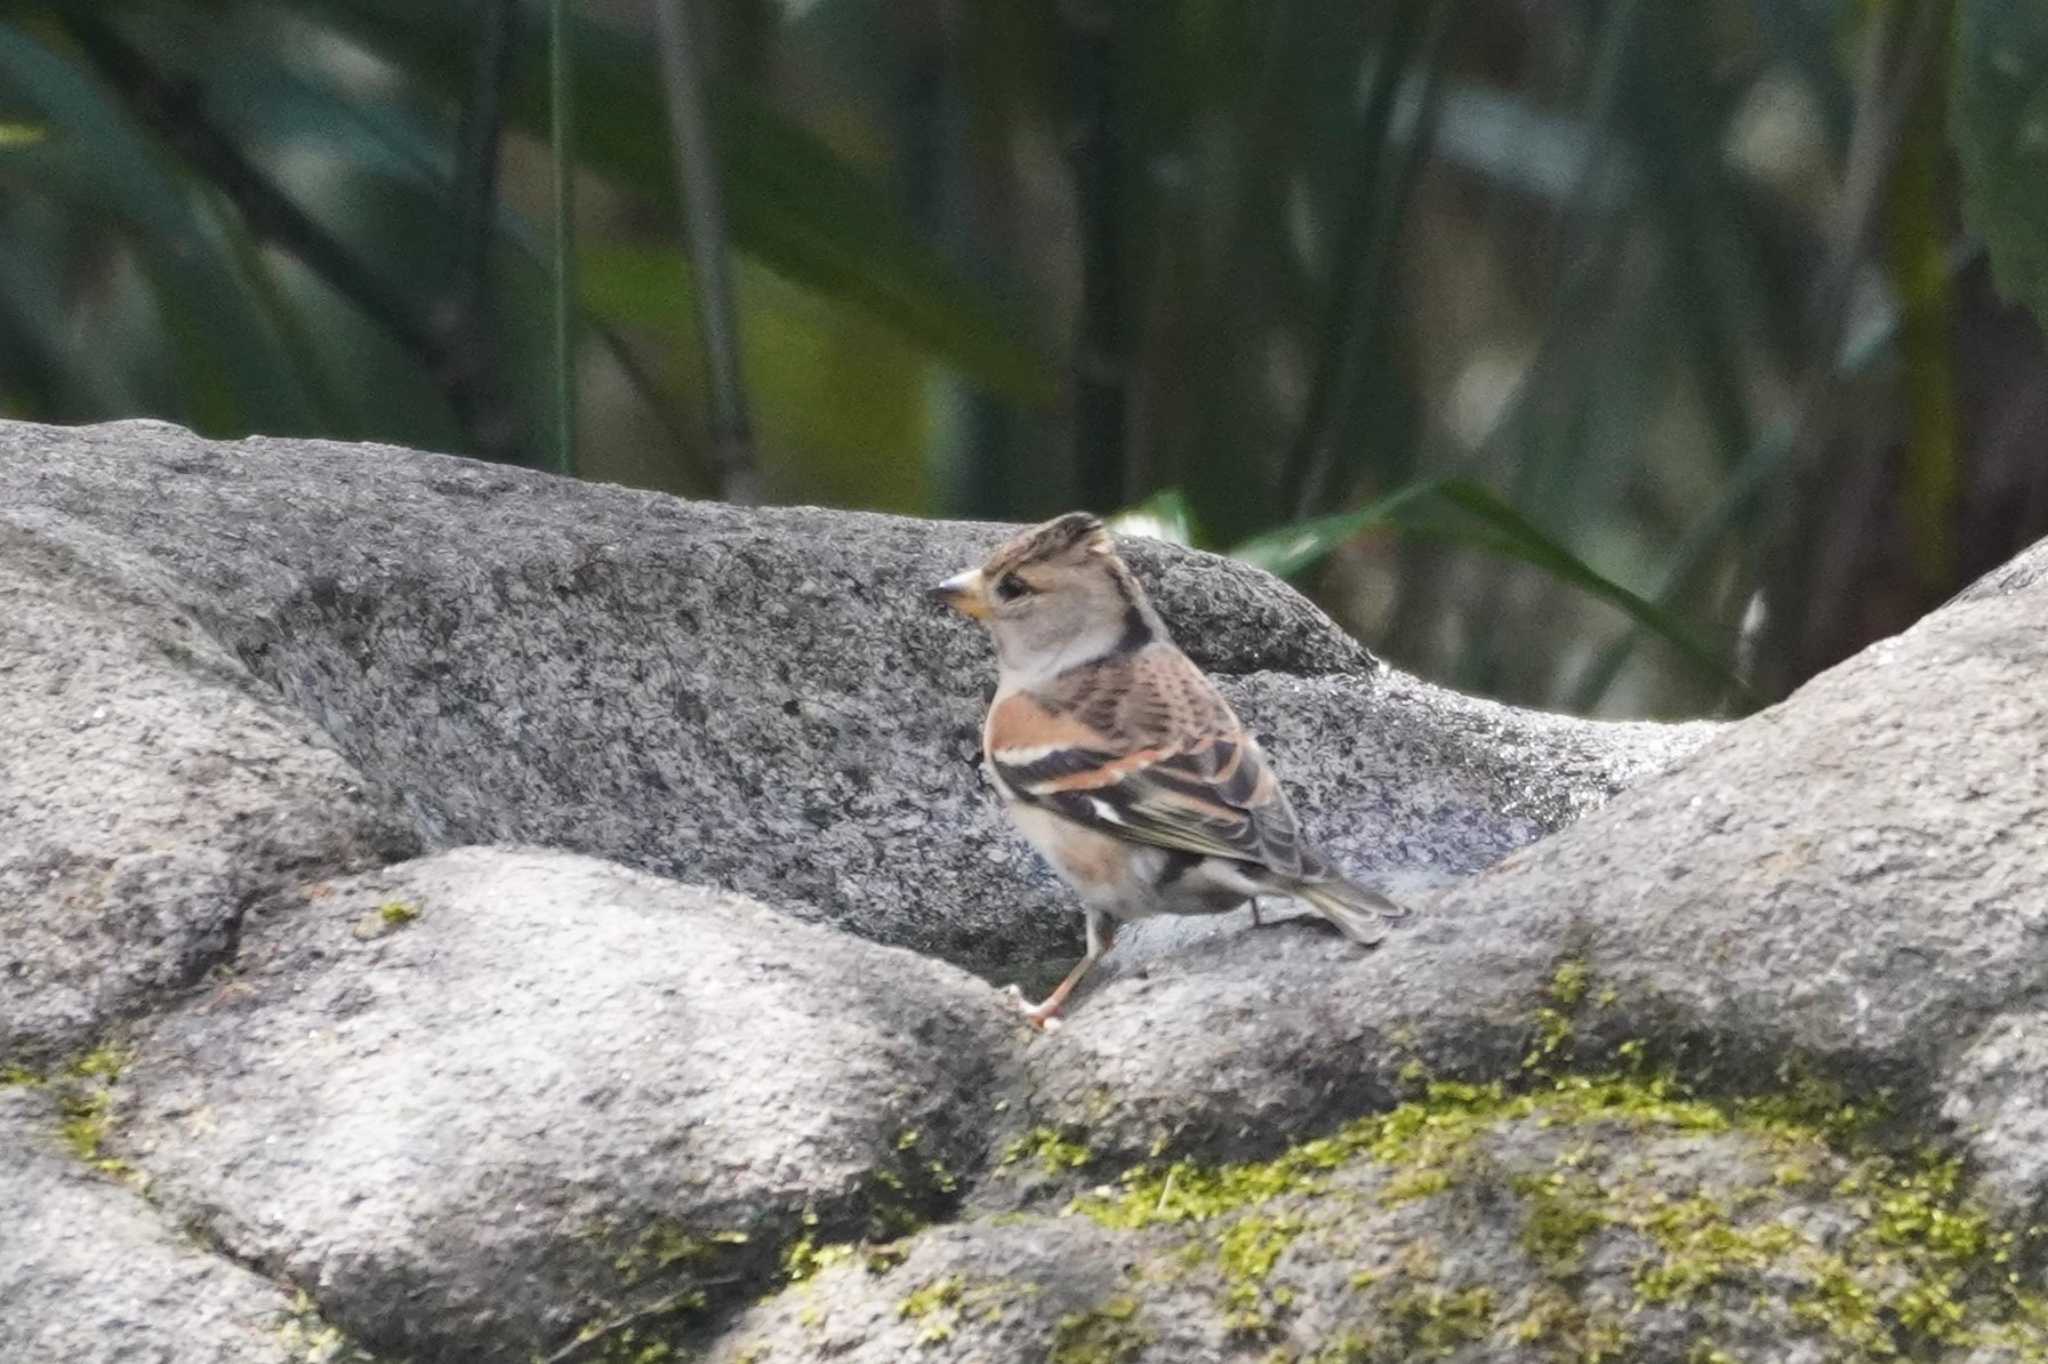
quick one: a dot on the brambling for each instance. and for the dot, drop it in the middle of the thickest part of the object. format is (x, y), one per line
(1118, 759)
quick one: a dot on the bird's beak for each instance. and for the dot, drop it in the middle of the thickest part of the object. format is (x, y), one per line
(964, 594)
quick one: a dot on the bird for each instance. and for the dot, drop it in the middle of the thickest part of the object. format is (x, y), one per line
(1120, 762)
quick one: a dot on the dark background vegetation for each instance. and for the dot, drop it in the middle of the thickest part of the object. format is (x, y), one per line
(1624, 356)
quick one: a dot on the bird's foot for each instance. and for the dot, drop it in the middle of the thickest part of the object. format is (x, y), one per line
(1042, 1017)
(1262, 920)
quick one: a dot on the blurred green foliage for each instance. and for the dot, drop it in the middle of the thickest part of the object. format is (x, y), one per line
(1603, 354)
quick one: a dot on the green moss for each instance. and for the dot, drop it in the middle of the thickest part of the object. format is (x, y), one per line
(104, 1062)
(932, 1307)
(1435, 1321)
(85, 1126)
(1050, 1149)
(1921, 1267)
(664, 1246)
(1563, 1330)
(804, 1257)
(397, 913)
(1561, 1212)
(1912, 1267)
(85, 1103)
(935, 1294)
(1245, 1254)
(19, 1075)
(1109, 1333)
(939, 1306)
(1555, 1018)
(661, 1255)
(1701, 1245)
(307, 1338)
(1353, 1347)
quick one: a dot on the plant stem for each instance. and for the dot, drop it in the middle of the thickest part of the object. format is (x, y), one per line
(562, 99)
(172, 110)
(1096, 154)
(704, 219)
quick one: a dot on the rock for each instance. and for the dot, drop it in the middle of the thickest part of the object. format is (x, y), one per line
(1852, 882)
(88, 1271)
(1996, 1098)
(1681, 1071)
(962, 1292)
(760, 700)
(150, 790)
(1408, 786)
(1589, 1221)
(477, 1103)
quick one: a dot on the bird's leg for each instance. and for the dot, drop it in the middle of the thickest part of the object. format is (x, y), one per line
(1044, 1015)
(1256, 921)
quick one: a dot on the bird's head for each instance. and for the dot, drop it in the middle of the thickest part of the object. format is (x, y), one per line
(1054, 596)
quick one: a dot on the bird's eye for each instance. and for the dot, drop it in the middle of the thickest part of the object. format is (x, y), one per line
(1010, 587)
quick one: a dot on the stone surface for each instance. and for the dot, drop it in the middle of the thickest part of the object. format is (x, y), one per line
(1854, 881)
(1996, 1098)
(89, 1272)
(1583, 1223)
(150, 790)
(758, 700)
(479, 1102)
(1640, 1086)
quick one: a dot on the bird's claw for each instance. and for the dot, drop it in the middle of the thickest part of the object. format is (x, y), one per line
(1036, 1016)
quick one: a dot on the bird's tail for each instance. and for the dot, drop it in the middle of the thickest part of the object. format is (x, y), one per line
(1362, 914)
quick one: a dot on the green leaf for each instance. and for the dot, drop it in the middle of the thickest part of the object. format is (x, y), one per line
(1293, 550)
(1518, 538)
(792, 201)
(2000, 126)
(1166, 515)
(231, 369)
(833, 386)
(1500, 530)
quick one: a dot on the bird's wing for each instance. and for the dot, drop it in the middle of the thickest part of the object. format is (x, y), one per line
(1142, 747)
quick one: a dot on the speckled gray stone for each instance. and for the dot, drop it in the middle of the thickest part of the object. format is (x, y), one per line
(1996, 1098)
(88, 1271)
(1491, 1258)
(1855, 880)
(759, 700)
(150, 790)
(479, 1102)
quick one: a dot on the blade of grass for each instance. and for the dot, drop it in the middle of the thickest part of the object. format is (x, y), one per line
(465, 317)
(94, 158)
(1933, 479)
(697, 180)
(793, 202)
(1501, 530)
(1351, 314)
(562, 99)
(1519, 538)
(1166, 515)
(1760, 467)
(174, 113)
(1095, 155)
(1293, 550)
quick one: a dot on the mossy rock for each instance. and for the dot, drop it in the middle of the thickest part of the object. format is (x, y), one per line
(1579, 1219)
